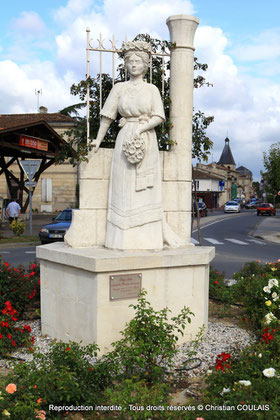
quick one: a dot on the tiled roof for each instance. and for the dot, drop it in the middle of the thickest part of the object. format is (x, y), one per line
(200, 174)
(242, 170)
(14, 120)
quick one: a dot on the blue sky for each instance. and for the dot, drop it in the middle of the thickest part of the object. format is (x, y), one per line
(42, 46)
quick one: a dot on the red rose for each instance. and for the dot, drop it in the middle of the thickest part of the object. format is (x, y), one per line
(27, 328)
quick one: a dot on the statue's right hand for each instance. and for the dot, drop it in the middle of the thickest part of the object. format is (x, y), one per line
(95, 145)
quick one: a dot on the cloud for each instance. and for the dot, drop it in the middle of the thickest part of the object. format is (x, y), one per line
(141, 16)
(264, 47)
(121, 18)
(18, 84)
(29, 38)
(245, 107)
(72, 9)
(29, 24)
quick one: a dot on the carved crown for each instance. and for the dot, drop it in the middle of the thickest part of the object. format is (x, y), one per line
(142, 46)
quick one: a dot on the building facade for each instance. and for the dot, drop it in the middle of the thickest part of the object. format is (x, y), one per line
(233, 183)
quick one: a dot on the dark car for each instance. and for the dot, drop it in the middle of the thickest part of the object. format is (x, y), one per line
(56, 230)
(266, 208)
(203, 211)
(253, 204)
(239, 201)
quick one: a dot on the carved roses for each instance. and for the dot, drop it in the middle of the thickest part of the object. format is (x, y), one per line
(134, 149)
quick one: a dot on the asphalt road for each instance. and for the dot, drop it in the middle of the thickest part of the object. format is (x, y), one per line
(235, 244)
(231, 237)
(17, 256)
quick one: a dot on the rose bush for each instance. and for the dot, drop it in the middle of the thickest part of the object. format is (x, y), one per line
(252, 378)
(257, 289)
(19, 285)
(11, 335)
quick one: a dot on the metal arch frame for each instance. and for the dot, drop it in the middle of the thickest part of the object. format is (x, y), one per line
(114, 50)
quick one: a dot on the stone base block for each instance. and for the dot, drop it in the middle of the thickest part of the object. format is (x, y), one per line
(76, 299)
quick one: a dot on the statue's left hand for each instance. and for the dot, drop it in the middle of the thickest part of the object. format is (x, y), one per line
(137, 133)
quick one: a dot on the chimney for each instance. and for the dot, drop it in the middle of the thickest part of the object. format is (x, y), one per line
(43, 110)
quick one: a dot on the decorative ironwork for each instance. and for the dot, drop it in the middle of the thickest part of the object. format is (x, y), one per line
(114, 50)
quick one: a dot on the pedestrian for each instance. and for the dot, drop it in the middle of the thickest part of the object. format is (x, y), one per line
(13, 210)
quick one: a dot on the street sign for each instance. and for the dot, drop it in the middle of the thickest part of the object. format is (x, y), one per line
(30, 167)
(30, 184)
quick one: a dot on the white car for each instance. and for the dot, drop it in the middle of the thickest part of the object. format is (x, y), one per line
(232, 207)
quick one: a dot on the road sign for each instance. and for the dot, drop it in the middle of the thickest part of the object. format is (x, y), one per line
(278, 192)
(30, 184)
(30, 167)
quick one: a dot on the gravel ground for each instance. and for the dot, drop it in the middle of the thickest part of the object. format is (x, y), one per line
(219, 338)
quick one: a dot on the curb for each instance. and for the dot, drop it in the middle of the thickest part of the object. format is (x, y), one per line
(266, 238)
(269, 239)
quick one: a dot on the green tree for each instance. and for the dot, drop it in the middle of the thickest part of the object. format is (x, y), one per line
(77, 136)
(271, 175)
(256, 185)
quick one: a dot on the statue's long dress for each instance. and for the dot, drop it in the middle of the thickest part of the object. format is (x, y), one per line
(135, 211)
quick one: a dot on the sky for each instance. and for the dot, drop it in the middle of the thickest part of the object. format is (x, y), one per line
(42, 48)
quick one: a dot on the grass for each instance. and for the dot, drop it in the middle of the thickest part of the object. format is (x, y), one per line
(19, 239)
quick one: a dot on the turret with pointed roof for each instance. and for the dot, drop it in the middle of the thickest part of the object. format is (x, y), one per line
(226, 158)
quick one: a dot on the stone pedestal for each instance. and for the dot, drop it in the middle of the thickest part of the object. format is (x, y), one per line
(75, 289)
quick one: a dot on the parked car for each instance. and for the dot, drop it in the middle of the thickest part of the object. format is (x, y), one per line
(252, 204)
(239, 201)
(56, 230)
(266, 208)
(203, 211)
(232, 207)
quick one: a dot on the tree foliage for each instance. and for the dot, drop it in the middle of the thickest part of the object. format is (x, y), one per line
(271, 175)
(77, 136)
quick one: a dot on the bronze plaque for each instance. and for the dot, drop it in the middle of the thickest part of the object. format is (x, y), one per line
(125, 286)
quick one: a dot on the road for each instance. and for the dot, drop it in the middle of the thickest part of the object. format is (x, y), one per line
(17, 256)
(229, 234)
(234, 243)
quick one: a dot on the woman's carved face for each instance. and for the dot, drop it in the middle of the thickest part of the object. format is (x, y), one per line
(135, 65)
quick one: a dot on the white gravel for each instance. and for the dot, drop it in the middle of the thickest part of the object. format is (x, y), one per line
(219, 338)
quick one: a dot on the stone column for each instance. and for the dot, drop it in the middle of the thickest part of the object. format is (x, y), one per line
(177, 165)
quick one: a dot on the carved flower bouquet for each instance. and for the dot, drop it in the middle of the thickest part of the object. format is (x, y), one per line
(134, 149)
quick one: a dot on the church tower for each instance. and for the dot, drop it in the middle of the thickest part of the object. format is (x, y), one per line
(226, 158)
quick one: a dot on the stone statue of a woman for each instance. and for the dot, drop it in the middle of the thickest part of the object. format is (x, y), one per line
(135, 218)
